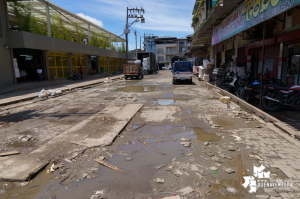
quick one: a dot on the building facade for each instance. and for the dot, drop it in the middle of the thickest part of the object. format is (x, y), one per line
(183, 47)
(149, 43)
(52, 43)
(166, 48)
(237, 38)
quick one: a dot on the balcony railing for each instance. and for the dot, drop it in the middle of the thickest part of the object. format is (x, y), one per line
(160, 52)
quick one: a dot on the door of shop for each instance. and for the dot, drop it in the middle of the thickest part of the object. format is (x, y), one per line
(29, 60)
(293, 68)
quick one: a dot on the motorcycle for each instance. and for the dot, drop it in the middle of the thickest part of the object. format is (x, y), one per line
(73, 76)
(276, 96)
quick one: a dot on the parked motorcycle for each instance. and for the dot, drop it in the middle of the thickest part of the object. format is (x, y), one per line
(276, 96)
(73, 76)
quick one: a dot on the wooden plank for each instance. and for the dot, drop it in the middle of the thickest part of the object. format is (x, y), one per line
(108, 165)
(240, 169)
(9, 153)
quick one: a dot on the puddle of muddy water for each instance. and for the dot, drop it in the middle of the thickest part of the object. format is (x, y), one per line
(139, 171)
(201, 135)
(165, 102)
(109, 98)
(29, 191)
(140, 88)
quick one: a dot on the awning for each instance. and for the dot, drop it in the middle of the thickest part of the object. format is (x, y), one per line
(217, 15)
(38, 9)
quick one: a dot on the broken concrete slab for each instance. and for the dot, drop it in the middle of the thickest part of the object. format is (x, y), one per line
(229, 170)
(174, 139)
(20, 168)
(177, 173)
(183, 139)
(194, 167)
(169, 168)
(160, 180)
(186, 190)
(213, 168)
(186, 144)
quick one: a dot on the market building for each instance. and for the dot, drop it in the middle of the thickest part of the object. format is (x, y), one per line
(234, 33)
(41, 35)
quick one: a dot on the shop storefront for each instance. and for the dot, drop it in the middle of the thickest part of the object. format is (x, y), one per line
(103, 64)
(112, 65)
(58, 64)
(292, 68)
(77, 60)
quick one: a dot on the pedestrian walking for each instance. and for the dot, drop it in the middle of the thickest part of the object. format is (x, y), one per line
(81, 71)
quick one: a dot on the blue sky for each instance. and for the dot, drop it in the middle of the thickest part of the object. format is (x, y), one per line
(163, 17)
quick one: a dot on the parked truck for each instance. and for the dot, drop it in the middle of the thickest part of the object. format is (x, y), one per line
(133, 70)
(182, 70)
(148, 61)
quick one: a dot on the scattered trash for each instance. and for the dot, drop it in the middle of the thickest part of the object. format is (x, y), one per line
(229, 170)
(231, 148)
(9, 153)
(213, 168)
(169, 168)
(177, 173)
(159, 180)
(128, 159)
(108, 165)
(174, 139)
(25, 138)
(256, 157)
(237, 138)
(161, 141)
(194, 167)
(145, 143)
(186, 144)
(108, 80)
(51, 168)
(99, 192)
(218, 164)
(186, 190)
(190, 154)
(231, 190)
(159, 166)
(34, 186)
(46, 93)
(102, 157)
(139, 127)
(185, 139)
(206, 143)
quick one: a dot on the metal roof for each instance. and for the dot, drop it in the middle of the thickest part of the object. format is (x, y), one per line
(217, 15)
(70, 19)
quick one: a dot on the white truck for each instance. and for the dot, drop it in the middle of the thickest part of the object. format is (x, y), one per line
(182, 70)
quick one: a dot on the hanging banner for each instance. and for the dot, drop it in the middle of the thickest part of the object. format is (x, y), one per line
(249, 14)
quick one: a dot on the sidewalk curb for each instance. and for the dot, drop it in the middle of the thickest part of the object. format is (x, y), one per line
(265, 116)
(63, 88)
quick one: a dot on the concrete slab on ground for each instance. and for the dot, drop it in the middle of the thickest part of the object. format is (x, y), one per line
(19, 168)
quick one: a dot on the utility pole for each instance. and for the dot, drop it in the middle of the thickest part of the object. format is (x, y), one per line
(141, 43)
(132, 13)
(135, 44)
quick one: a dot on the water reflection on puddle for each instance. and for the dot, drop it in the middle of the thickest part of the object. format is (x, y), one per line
(165, 102)
(140, 88)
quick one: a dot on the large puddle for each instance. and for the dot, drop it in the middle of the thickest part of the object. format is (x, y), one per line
(140, 88)
(139, 171)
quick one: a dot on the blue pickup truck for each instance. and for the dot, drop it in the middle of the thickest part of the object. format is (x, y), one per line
(182, 70)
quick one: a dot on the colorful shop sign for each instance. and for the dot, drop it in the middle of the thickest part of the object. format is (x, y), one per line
(249, 14)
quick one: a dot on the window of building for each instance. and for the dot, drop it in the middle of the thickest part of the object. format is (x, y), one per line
(112, 64)
(171, 50)
(58, 64)
(160, 50)
(103, 61)
(161, 58)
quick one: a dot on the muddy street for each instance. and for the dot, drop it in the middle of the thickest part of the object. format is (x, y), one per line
(141, 139)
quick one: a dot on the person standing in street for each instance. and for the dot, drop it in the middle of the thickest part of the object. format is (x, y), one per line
(81, 71)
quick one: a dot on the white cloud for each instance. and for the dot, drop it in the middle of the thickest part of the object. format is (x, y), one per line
(91, 19)
(167, 15)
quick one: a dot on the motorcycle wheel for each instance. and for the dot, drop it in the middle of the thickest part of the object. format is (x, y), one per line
(245, 95)
(271, 105)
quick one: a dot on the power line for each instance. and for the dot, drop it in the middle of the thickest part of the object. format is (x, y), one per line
(146, 17)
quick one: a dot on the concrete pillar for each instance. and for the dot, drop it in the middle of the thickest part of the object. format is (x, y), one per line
(89, 33)
(70, 62)
(115, 61)
(98, 63)
(283, 62)
(7, 72)
(87, 64)
(249, 61)
(108, 65)
(46, 64)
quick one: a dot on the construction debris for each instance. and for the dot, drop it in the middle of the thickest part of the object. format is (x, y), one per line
(256, 157)
(186, 190)
(159, 166)
(109, 165)
(145, 143)
(161, 141)
(9, 153)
